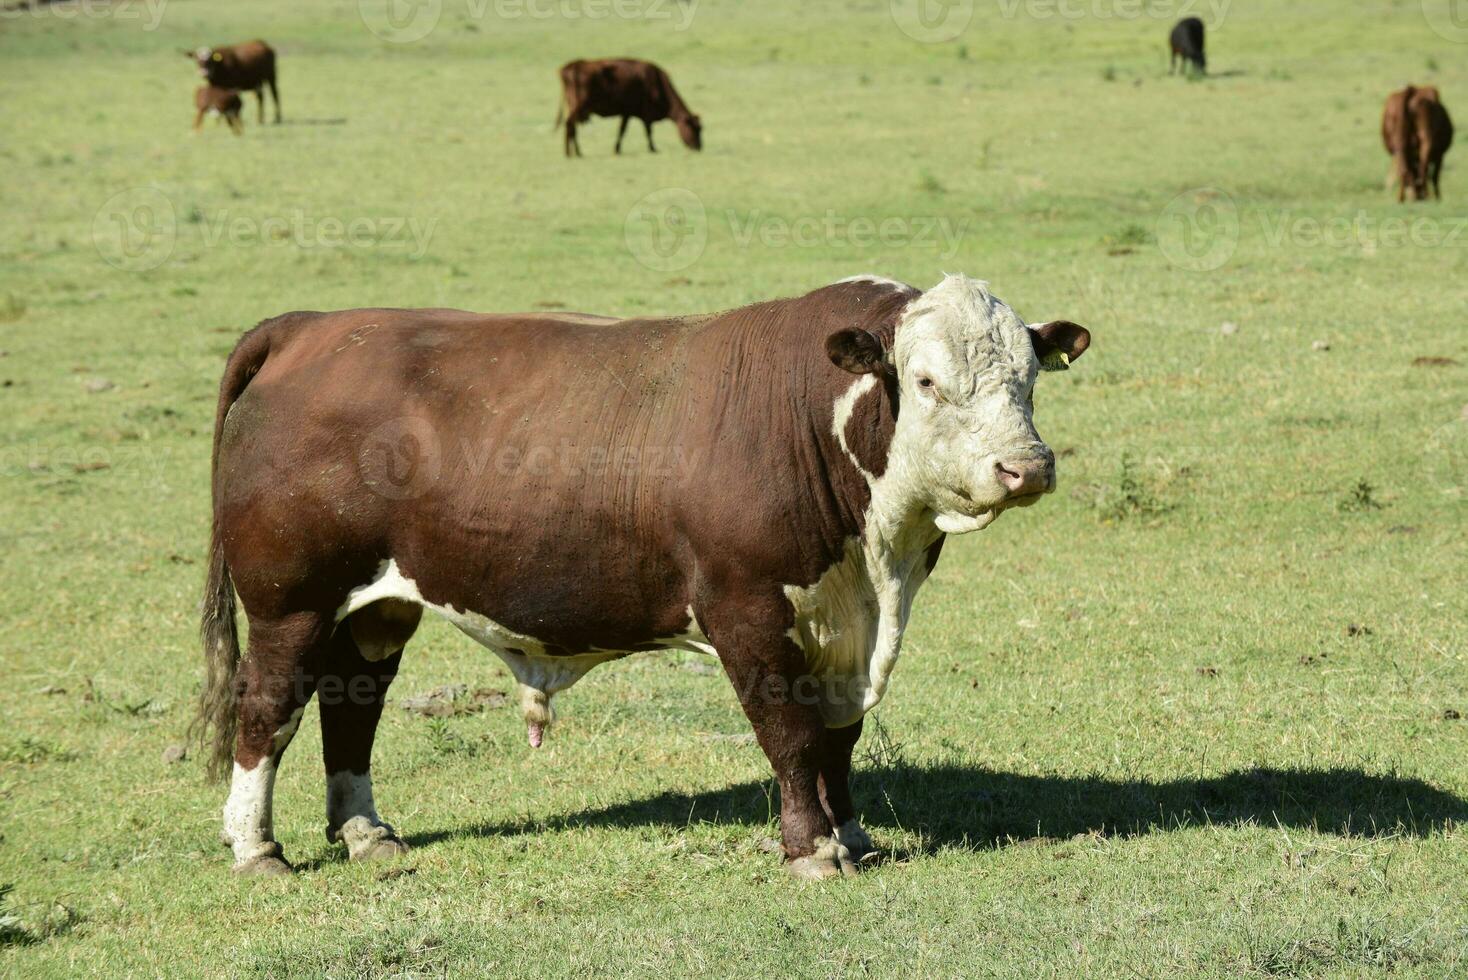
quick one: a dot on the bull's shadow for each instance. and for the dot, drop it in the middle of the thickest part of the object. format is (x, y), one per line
(961, 806)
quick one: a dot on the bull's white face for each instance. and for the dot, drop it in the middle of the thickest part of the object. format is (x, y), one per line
(964, 448)
(966, 370)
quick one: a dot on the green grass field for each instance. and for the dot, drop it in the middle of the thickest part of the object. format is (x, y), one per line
(1195, 714)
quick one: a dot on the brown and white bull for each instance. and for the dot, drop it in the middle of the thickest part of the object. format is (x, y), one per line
(769, 485)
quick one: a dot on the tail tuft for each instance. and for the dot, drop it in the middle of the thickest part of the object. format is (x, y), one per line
(220, 635)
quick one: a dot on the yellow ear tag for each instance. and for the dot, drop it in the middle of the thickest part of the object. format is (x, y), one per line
(217, 56)
(1056, 360)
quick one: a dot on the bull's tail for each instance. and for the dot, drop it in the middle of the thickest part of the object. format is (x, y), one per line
(215, 718)
(571, 95)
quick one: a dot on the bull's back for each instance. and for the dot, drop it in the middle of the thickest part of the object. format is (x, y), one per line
(478, 450)
(620, 86)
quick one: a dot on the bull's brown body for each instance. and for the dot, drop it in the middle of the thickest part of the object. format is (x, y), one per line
(686, 463)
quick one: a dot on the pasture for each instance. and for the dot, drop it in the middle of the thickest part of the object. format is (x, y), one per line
(1200, 712)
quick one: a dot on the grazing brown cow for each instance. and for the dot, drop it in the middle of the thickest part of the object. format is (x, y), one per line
(1416, 131)
(568, 489)
(248, 67)
(223, 102)
(623, 87)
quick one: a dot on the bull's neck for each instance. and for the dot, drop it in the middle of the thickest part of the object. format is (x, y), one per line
(677, 110)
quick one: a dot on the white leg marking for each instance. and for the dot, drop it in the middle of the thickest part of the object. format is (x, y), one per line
(248, 827)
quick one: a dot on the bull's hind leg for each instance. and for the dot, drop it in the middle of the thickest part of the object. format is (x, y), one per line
(360, 665)
(276, 679)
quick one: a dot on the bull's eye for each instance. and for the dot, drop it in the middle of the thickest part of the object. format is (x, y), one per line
(925, 382)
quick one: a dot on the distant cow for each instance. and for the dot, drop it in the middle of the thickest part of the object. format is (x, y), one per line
(222, 102)
(769, 486)
(1416, 131)
(623, 87)
(1187, 44)
(248, 67)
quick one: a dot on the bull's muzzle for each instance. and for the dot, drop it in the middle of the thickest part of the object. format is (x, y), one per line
(1026, 477)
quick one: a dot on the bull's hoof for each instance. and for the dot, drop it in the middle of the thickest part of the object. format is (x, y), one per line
(381, 850)
(368, 841)
(855, 839)
(829, 860)
(269, 862)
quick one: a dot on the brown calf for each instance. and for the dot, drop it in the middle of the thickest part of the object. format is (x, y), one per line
(1416, 130)
(248, 67)
(623, 87)
(223, 102)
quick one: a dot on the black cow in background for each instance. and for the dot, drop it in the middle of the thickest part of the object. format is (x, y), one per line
(248, 67)
(1187, 44)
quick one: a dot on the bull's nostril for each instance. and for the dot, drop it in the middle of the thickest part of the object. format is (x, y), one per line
(1010, 479)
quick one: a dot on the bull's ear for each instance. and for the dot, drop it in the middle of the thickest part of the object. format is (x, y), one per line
(1059, 342)
(855, 350)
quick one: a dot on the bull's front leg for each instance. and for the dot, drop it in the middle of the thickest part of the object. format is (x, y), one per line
(834, 784)
(769, 675)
